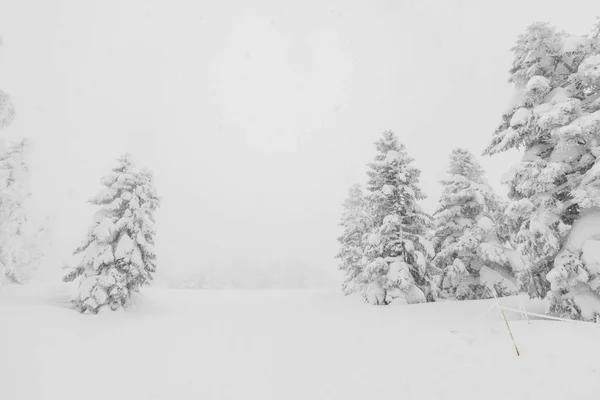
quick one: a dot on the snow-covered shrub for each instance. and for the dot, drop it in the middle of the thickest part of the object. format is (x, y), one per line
(556, 120)
(118, 254)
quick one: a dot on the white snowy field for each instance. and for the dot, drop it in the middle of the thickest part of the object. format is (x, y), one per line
(284, 345)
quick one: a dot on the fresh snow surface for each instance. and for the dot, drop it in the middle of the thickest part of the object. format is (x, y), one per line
(292, 345)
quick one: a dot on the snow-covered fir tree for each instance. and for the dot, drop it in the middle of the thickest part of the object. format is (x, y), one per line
(468, 249)
(397, 253)
(118, 254)
(14, 247)
(355, 224)
(555, 118)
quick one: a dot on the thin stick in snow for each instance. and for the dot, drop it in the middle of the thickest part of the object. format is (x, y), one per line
(506, 321)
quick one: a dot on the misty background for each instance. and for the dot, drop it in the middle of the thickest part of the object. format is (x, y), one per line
(255, 118)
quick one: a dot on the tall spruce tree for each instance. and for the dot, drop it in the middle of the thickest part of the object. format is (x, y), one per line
(397, 253)
(355, 224)
(555, 118)
(118, 256)
(467, 247)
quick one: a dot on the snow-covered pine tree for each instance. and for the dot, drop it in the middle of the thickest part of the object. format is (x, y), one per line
(397, 255)
(355, 224)
(467, 247)
(555, 117)
(13, 194)
(118, 253)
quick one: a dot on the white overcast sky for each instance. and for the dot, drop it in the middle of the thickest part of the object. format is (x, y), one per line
(256, 116)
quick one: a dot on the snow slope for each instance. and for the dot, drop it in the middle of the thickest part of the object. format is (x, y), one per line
(285, 345)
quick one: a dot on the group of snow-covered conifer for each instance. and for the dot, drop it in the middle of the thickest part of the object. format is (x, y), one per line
(117, 257)
(545, 240)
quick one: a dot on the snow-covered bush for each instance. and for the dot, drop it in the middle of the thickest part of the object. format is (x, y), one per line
(465, 238)
(396, 256)
(556, 120)
(118, 254)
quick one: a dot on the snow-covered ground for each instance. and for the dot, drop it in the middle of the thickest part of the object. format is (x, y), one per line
(284, 345)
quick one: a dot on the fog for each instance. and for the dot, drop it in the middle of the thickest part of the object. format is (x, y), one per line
(256, 117)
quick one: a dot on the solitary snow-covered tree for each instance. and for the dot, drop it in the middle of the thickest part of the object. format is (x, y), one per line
(555, 118)
(397, 255)
(118, 254)
(355, 224)
(468, 249)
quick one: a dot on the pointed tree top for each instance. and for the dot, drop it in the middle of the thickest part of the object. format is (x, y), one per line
(534, 52)
(388, 141)
(464, 163)
(125, 162)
